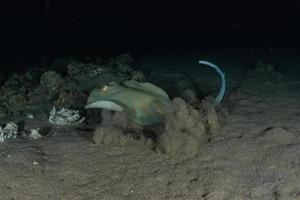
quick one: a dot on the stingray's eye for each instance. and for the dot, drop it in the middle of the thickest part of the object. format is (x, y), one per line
(103, 88)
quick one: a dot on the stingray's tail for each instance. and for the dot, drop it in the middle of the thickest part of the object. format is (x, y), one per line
(220, 96)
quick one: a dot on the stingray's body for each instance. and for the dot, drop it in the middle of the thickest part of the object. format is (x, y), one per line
(144, 103)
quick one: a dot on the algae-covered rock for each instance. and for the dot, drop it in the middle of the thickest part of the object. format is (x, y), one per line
(85, 71)
(14, 95)
(51, 81)
(137, 76)
(17, 103)
(66, 98)
(38, 90)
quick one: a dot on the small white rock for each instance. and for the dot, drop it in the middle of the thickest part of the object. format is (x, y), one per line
(30, 116)
(9, 131)
(35, 163)
(65, 116)
(34, 134)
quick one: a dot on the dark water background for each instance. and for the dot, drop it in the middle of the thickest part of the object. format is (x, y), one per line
(35, 31)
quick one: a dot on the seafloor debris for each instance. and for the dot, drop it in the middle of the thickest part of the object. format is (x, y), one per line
(9, 131)
(13, 130)
(65, 116)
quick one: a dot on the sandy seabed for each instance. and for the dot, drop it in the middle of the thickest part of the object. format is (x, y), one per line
(255, 156)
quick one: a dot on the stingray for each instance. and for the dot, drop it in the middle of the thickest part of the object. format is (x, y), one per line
(143, 102)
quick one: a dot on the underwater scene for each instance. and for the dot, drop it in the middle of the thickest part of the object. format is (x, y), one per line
(136, 100)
